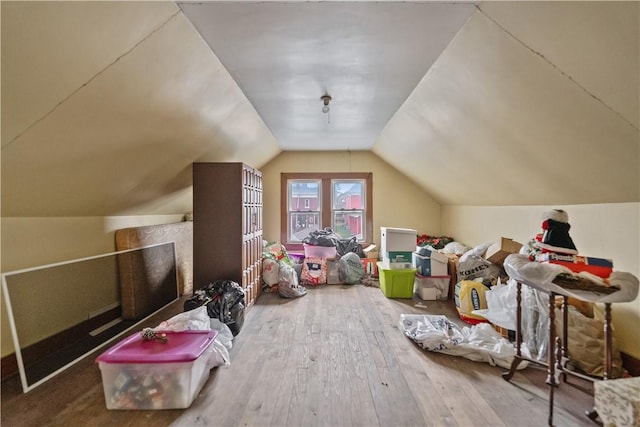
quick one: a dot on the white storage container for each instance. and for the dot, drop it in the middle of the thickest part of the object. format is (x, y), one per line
(151, 374)
(397, 239)
(432, 287)
(436, 264)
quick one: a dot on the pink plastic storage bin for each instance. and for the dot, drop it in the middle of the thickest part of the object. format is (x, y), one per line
(326, 252)
(139, 374)
(296, 257)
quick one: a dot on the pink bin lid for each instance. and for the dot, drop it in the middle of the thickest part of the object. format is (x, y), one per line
(185, 346)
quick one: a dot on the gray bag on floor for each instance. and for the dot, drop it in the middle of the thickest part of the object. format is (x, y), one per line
(350, 269)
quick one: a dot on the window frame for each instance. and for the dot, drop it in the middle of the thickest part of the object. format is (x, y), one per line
(326, 204)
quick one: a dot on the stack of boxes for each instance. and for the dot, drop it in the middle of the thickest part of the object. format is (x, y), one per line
(396, 270)
(432, 281)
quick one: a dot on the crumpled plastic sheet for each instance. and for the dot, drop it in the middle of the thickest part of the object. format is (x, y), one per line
(480, 343)
(502, 306)
(540, 276)
(198, 320)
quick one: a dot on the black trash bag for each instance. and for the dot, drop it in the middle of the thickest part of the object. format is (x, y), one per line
(224, 300)
(328, 238)
(227, 304)
(324, 237)
(346, 246)
(198, 299)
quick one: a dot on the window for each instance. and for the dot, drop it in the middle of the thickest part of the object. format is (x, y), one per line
(312, 201)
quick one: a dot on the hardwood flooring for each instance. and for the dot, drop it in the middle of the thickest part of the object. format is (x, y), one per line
(335, 357)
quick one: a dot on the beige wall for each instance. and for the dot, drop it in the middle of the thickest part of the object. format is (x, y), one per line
(602, 230)
(397, 202)
(33, 242)
(609, 231)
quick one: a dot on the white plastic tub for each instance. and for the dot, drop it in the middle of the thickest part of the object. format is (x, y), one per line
(432, 287)
(397, 239)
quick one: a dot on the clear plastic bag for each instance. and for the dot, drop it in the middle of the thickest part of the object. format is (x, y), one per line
(288, 286)
(535, 322)
(350, 269)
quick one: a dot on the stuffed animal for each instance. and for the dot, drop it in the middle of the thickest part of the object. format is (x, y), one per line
(555, 233)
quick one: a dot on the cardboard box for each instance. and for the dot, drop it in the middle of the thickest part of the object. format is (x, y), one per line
(433, 265)
(452, 270)
(600, 267)
(150, 374)
(370, 266)
(396, 283)
(497, 252)
(504, 332)
(371, 251)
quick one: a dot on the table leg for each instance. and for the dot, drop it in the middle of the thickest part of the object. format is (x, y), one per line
(607, 341)
(551, 355)
(593, 414)
(518, 357)
(565, 326)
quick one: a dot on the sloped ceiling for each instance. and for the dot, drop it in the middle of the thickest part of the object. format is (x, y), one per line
(517, 112)
(368, 56)
(105, 105)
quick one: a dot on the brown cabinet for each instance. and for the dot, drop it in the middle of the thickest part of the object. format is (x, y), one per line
(227, 226)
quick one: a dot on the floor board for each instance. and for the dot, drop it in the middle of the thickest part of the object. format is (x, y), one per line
(335, 357)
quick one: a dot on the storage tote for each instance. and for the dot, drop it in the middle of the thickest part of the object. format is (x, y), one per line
(432, 287)
(434, 264)
(396, 283)
(314, 251)
(397, 239)
(397, 260)
(152, 374)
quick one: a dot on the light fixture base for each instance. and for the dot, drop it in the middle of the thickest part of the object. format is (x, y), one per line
(325, 100)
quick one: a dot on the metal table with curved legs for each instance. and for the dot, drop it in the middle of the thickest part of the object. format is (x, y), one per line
(557, 354)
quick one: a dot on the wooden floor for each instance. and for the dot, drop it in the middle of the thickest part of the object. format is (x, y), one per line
(335, 357)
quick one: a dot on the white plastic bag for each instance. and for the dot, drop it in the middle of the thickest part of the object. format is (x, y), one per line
(455, 248)
(480, 343)
(198, 320)
(270, 271)
(501, 305)
(192, 320)
(288, 286)
(475, 267)
(477, 251)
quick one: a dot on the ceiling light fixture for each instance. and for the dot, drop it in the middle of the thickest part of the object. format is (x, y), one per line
(325, 108)
(325, 99)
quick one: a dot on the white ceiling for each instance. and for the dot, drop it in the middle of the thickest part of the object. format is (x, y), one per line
(368, 56)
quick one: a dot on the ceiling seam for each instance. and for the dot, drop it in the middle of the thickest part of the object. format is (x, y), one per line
(544, 58)
(47, 114)
(430, 70)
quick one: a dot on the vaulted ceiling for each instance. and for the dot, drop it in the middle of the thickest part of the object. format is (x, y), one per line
(105, 105)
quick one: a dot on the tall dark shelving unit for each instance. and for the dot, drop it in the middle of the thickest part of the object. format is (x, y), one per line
(227, 226)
